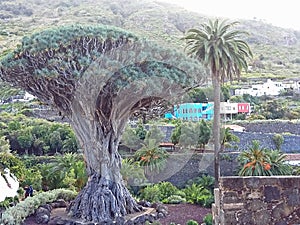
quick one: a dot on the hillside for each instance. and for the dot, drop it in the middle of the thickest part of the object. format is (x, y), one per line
(276, 50)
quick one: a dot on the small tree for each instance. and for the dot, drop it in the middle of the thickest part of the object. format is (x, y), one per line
(259, 161)
(155, 134)
(278, 141)
(204, 133)
(227, 137)
(131, 139)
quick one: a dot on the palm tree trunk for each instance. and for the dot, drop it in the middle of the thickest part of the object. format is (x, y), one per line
(216, 128)
(105, 197)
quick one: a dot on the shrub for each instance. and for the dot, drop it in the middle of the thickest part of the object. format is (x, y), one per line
(258, 161)
(15, 215)
(151, 193)
(205, 181)
(208, 219)
(278, 140)
(174, 199)
(196, 194)
(166, 189)
(191, 222)
(8, 201)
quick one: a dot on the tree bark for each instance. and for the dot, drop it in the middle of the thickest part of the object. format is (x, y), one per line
(216, 128)
(105, 197)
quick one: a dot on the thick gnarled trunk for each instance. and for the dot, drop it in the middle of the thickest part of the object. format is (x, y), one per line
(105, 197)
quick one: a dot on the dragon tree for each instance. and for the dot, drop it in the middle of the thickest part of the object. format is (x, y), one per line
(98, 76)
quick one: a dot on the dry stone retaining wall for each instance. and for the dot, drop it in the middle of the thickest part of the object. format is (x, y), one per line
(257, 201)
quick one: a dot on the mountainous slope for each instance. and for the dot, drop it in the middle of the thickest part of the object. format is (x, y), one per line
(276, 50)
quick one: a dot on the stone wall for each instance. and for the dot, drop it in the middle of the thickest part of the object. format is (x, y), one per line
(291, 143)
(257, 201)
(181, 168)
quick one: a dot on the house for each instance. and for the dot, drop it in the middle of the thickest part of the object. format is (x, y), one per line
(270, 87)
(194, 111)
(198, 111)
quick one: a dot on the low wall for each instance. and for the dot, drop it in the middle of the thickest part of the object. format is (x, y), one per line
(257, 201)
(181, 168)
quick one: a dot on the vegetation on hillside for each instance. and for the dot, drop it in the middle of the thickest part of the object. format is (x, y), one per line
(275, 49)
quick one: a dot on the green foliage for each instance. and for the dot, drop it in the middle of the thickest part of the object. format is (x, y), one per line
(191, 222)
(37, 136)
(32, 177)
(259, 161)
(205, 181)
(196, 194)
(68, 172)
(176, 133)
(162, 192)
(9, 201)
(151, 157)
(132, 173)
(154, 134)
(273, 110)
(140, 131)
(204, 133)
(131, 139)
(61, 171)
(278, 140)
(167, 189)
(198, 95)
(208, 219)
(13, 163)
(190, 134)
(227, 137)
(4, 145)
(151, 193)
(15, 215)
(174, 199)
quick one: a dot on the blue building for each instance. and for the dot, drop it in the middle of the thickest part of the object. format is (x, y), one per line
(194, 111)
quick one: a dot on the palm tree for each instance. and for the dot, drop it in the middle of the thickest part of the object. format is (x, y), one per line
(222, 50)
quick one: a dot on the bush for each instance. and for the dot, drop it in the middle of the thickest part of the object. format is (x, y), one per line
(208, 219)
(15, 215)
(174, 199)
(278, 140)
(166, 189)
(205, 181)
(151, 193)
(160, 192)
(258, 161)
(191, 222)
(196, 194)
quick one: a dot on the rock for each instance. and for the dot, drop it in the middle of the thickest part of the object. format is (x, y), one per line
(60, 203)
(42, 215)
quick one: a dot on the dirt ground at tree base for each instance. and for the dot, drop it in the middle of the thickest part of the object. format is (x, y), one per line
(177, 213)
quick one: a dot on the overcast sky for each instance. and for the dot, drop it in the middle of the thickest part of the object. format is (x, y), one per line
(282, 13)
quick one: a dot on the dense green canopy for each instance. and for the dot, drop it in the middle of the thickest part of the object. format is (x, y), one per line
(50, 63)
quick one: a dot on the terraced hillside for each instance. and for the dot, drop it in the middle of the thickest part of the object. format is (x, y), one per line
(276, 50)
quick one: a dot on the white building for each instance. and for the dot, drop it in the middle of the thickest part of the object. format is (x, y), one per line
(268, 88)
